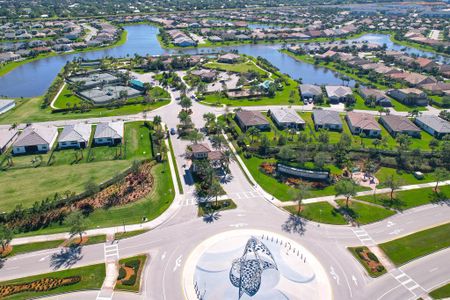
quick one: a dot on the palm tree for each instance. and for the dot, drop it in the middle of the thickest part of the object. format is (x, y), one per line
(439, 175)
(215, 190)
(253, 132)
(227, 157)
(217, 141)
(157, 121)
(195, 136)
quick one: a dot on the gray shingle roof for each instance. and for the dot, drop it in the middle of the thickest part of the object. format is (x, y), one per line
(109, 130)
(286, 115)
(79, 132)
(399, 123)
(251, 118)
(436, 123)
(36, 135)
(322, 117)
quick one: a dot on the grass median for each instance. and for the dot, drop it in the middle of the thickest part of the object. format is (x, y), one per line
(418, 244)
(321, 212)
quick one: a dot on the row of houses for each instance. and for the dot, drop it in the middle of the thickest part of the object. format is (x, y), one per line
(359, 123)
(41, 139)
(181, 39)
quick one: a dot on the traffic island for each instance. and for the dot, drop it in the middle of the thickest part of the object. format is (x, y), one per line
(369, 261)
(244, 264)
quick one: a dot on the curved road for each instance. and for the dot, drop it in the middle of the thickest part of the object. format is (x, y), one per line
(170, 244)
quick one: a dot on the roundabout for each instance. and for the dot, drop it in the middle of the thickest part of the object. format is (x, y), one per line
(253, 264)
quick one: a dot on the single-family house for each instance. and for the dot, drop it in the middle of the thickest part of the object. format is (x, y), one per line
(327, 119)
(75, 136)
(310, 91)
(109, 133)
(205, 75)
(6, 105)
(434, 125)
(363, 123)
(410, 96)
(34, 139)
(286, 118)
(228, 58)
(399, 124)
(338, 93)
(378, 96)
(249, 118)
(7, 137)
(202, 151)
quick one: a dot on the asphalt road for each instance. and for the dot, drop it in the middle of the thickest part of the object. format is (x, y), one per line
(171, 243)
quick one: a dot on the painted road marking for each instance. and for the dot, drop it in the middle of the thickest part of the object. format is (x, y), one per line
(177, 263)
(407, 282)
(111, 251)
(238, 225)
(163, 255)
(355, 280)
(363, 236)
(334, 275)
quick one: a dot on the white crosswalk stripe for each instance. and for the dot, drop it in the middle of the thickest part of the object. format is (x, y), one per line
(111, 252)
(363, 236)
(246, 195)
(407, 282)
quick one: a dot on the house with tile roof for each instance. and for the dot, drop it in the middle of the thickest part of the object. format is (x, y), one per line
(109, 133)
(249, 118)
(35, 139)
(399, 124)
(410, 96)
(363, 123)
(75, 136)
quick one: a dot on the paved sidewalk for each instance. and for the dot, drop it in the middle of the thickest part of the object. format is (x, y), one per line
(121, 228)
(331, 198)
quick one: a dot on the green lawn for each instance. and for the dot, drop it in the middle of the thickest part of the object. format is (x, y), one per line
(150, 207)
(280, 98)
(128, 234)
(138, 140)
(407, 178)
(406, 199)
(30, 111)
(321, 212)
(67, 99)
(365, 213)
(177, 173)
(91, 278)
(278, 189)
(243, 67)
(25, 248)
(418, 244)
(25, 186)
(441, 293)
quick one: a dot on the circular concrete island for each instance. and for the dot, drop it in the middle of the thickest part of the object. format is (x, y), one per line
(253, 264)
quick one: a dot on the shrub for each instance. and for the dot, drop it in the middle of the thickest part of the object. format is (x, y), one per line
(372, 256)
(130, 281)
(134, 264)
(380, 268)
(122, 273)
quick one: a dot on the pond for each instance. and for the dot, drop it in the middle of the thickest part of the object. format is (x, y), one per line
(34, 78)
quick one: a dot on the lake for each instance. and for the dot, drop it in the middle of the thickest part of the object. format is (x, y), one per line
(34, 78)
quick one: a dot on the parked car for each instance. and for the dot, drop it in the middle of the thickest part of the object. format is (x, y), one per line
(173, 131)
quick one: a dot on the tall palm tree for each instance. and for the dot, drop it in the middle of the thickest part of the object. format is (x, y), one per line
(299, 194)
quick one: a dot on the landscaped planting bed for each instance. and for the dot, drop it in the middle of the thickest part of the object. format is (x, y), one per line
(85, 278)
(368, 260)
(130, 273)
(209, 207)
